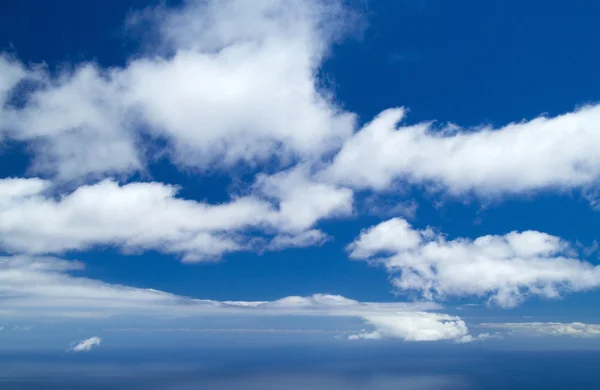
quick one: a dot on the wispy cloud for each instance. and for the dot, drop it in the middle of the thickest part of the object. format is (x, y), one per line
(20, 328)
(44, 288)
(573, 329)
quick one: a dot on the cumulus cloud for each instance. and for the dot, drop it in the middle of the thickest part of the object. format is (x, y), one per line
(149, 215)
(86, 345)
(542, 153)
(506, 268)
(416, 327)
(45, 288)
(230, 82)
(303, 200)
(574, 329)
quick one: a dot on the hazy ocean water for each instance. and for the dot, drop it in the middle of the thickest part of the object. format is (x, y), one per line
(304, 368)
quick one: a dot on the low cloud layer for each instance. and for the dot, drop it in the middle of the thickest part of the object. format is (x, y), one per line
(44, 288)
(573, 329)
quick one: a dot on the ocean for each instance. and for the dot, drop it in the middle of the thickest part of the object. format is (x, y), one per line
(356, 368)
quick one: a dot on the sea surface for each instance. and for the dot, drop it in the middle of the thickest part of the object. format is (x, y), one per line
(313, 368)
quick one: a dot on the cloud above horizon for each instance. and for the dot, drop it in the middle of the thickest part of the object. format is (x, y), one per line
(149, 215)
(573, 329)
(557, 154)
(37, 288)
(505, 269)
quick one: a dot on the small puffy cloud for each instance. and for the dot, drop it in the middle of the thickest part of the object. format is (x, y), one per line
(574, 329)
(539, 154)
(505, 268)
(86, 345)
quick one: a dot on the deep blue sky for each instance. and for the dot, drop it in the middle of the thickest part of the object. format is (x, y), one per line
(465, 62)
(469, 63)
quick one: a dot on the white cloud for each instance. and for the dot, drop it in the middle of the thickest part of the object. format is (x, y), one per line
(140, 216)
(86, 345)
(543, 153)
(416, 327)
(136, 215)
(231, 82)
(62, 117)
(506, 268)
(44, 288)
(302, 200)
(575, 329)
(16, 189)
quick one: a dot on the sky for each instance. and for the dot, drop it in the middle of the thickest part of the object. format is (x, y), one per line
(204, 172)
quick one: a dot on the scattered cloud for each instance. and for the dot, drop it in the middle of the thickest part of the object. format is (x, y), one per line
(86, 345)
(230, 84)
(506, 268)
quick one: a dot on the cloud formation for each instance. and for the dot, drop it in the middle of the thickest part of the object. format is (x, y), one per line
(416, 327)
(86, 345)
(228, 83)
(149, 215)
(540, 154)
(505, 268)
(44, 288)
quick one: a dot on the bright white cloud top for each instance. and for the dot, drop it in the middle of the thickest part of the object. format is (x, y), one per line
(539, 154)
(231, 82)
(506, 268)
(150, 216)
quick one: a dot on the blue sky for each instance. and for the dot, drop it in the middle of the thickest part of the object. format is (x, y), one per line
(415, 170)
